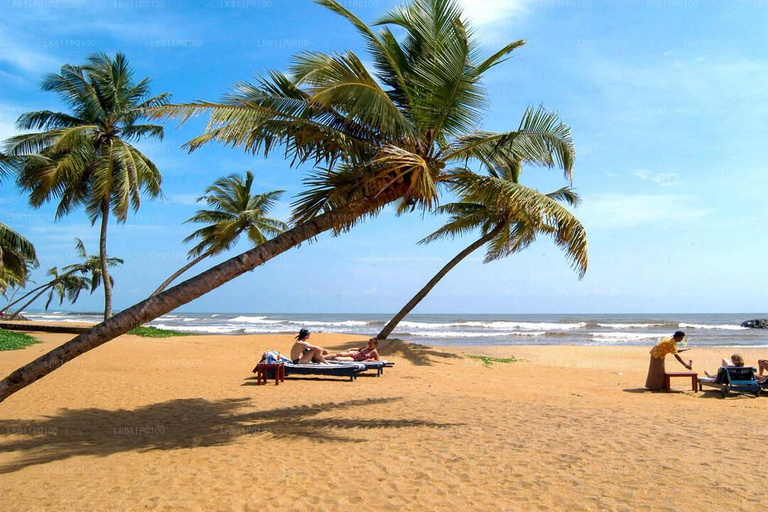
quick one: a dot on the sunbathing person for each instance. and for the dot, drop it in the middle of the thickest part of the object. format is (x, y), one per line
(762, 364)
(737, 360)
(359, 354)
(303, 352)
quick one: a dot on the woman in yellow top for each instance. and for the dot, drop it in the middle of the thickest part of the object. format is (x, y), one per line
(655, 380)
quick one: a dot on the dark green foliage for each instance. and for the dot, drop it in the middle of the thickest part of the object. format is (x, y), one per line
(487, 361)
(10, 340)
(154, 332)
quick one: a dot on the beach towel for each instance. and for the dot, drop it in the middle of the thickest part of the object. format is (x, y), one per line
(273, 356)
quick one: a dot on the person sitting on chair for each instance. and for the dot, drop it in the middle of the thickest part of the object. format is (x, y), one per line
(303, 352)
(359, 354)
(737, 360)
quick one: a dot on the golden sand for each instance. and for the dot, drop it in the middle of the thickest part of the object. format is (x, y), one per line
(179, 424)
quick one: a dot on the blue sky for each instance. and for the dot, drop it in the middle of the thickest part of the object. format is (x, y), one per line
(666, 99)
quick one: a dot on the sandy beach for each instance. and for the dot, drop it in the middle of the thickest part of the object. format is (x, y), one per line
(179, 424)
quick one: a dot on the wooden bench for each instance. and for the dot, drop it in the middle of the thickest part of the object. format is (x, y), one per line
(694, 376)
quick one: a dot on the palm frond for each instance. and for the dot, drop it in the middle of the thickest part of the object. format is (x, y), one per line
(388, 56)
(531, 208)
(499, 57)
(47, 120)
(341, 82)
(541, 139)
(140, 131)
(12, 241)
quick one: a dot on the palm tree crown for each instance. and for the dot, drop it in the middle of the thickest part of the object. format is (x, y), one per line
(86, 156)
(491, 204)
(409, 125)
(234, 210)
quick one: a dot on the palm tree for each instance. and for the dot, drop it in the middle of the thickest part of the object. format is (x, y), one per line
(17, 257)
(68, 287)
(74, 278)
(234, 211)
(507, 226)
(394, 136)
(85, 157)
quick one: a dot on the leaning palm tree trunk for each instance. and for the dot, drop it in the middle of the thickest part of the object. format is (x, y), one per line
(30, 301)
(13, 301)
(104, 260)
(387, 330)
(153, 307)
(181, 271)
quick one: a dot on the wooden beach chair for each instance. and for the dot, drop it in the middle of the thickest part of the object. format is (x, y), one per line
(733, 379)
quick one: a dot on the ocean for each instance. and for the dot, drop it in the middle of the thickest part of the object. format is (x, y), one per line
(702, 329)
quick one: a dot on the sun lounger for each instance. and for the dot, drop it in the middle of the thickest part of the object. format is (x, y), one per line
(733, 379)
(370, 365)
(351, 370)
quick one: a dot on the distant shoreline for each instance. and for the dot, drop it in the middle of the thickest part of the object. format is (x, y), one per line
(573, 334)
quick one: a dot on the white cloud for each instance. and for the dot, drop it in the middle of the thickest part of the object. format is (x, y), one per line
(183, 199)
(609, 211)
(488, 12)
(39, 37)
(665, 179)
(20, 54)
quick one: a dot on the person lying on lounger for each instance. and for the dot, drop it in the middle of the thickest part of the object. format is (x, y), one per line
(737, 360)
(303, 352)
(359, 354)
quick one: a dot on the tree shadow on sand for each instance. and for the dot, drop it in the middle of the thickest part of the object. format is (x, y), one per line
(176, 424)
(418, 355)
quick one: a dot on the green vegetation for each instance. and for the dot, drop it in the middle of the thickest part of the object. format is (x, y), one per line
(10, 340)
(154, 332)
(502, 360)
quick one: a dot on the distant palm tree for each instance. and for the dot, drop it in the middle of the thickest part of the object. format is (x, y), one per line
(17, 257)
(507, 225)
(234, 211)
(397, 135)
(73, 278)
(85, 157)
(68, 287)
